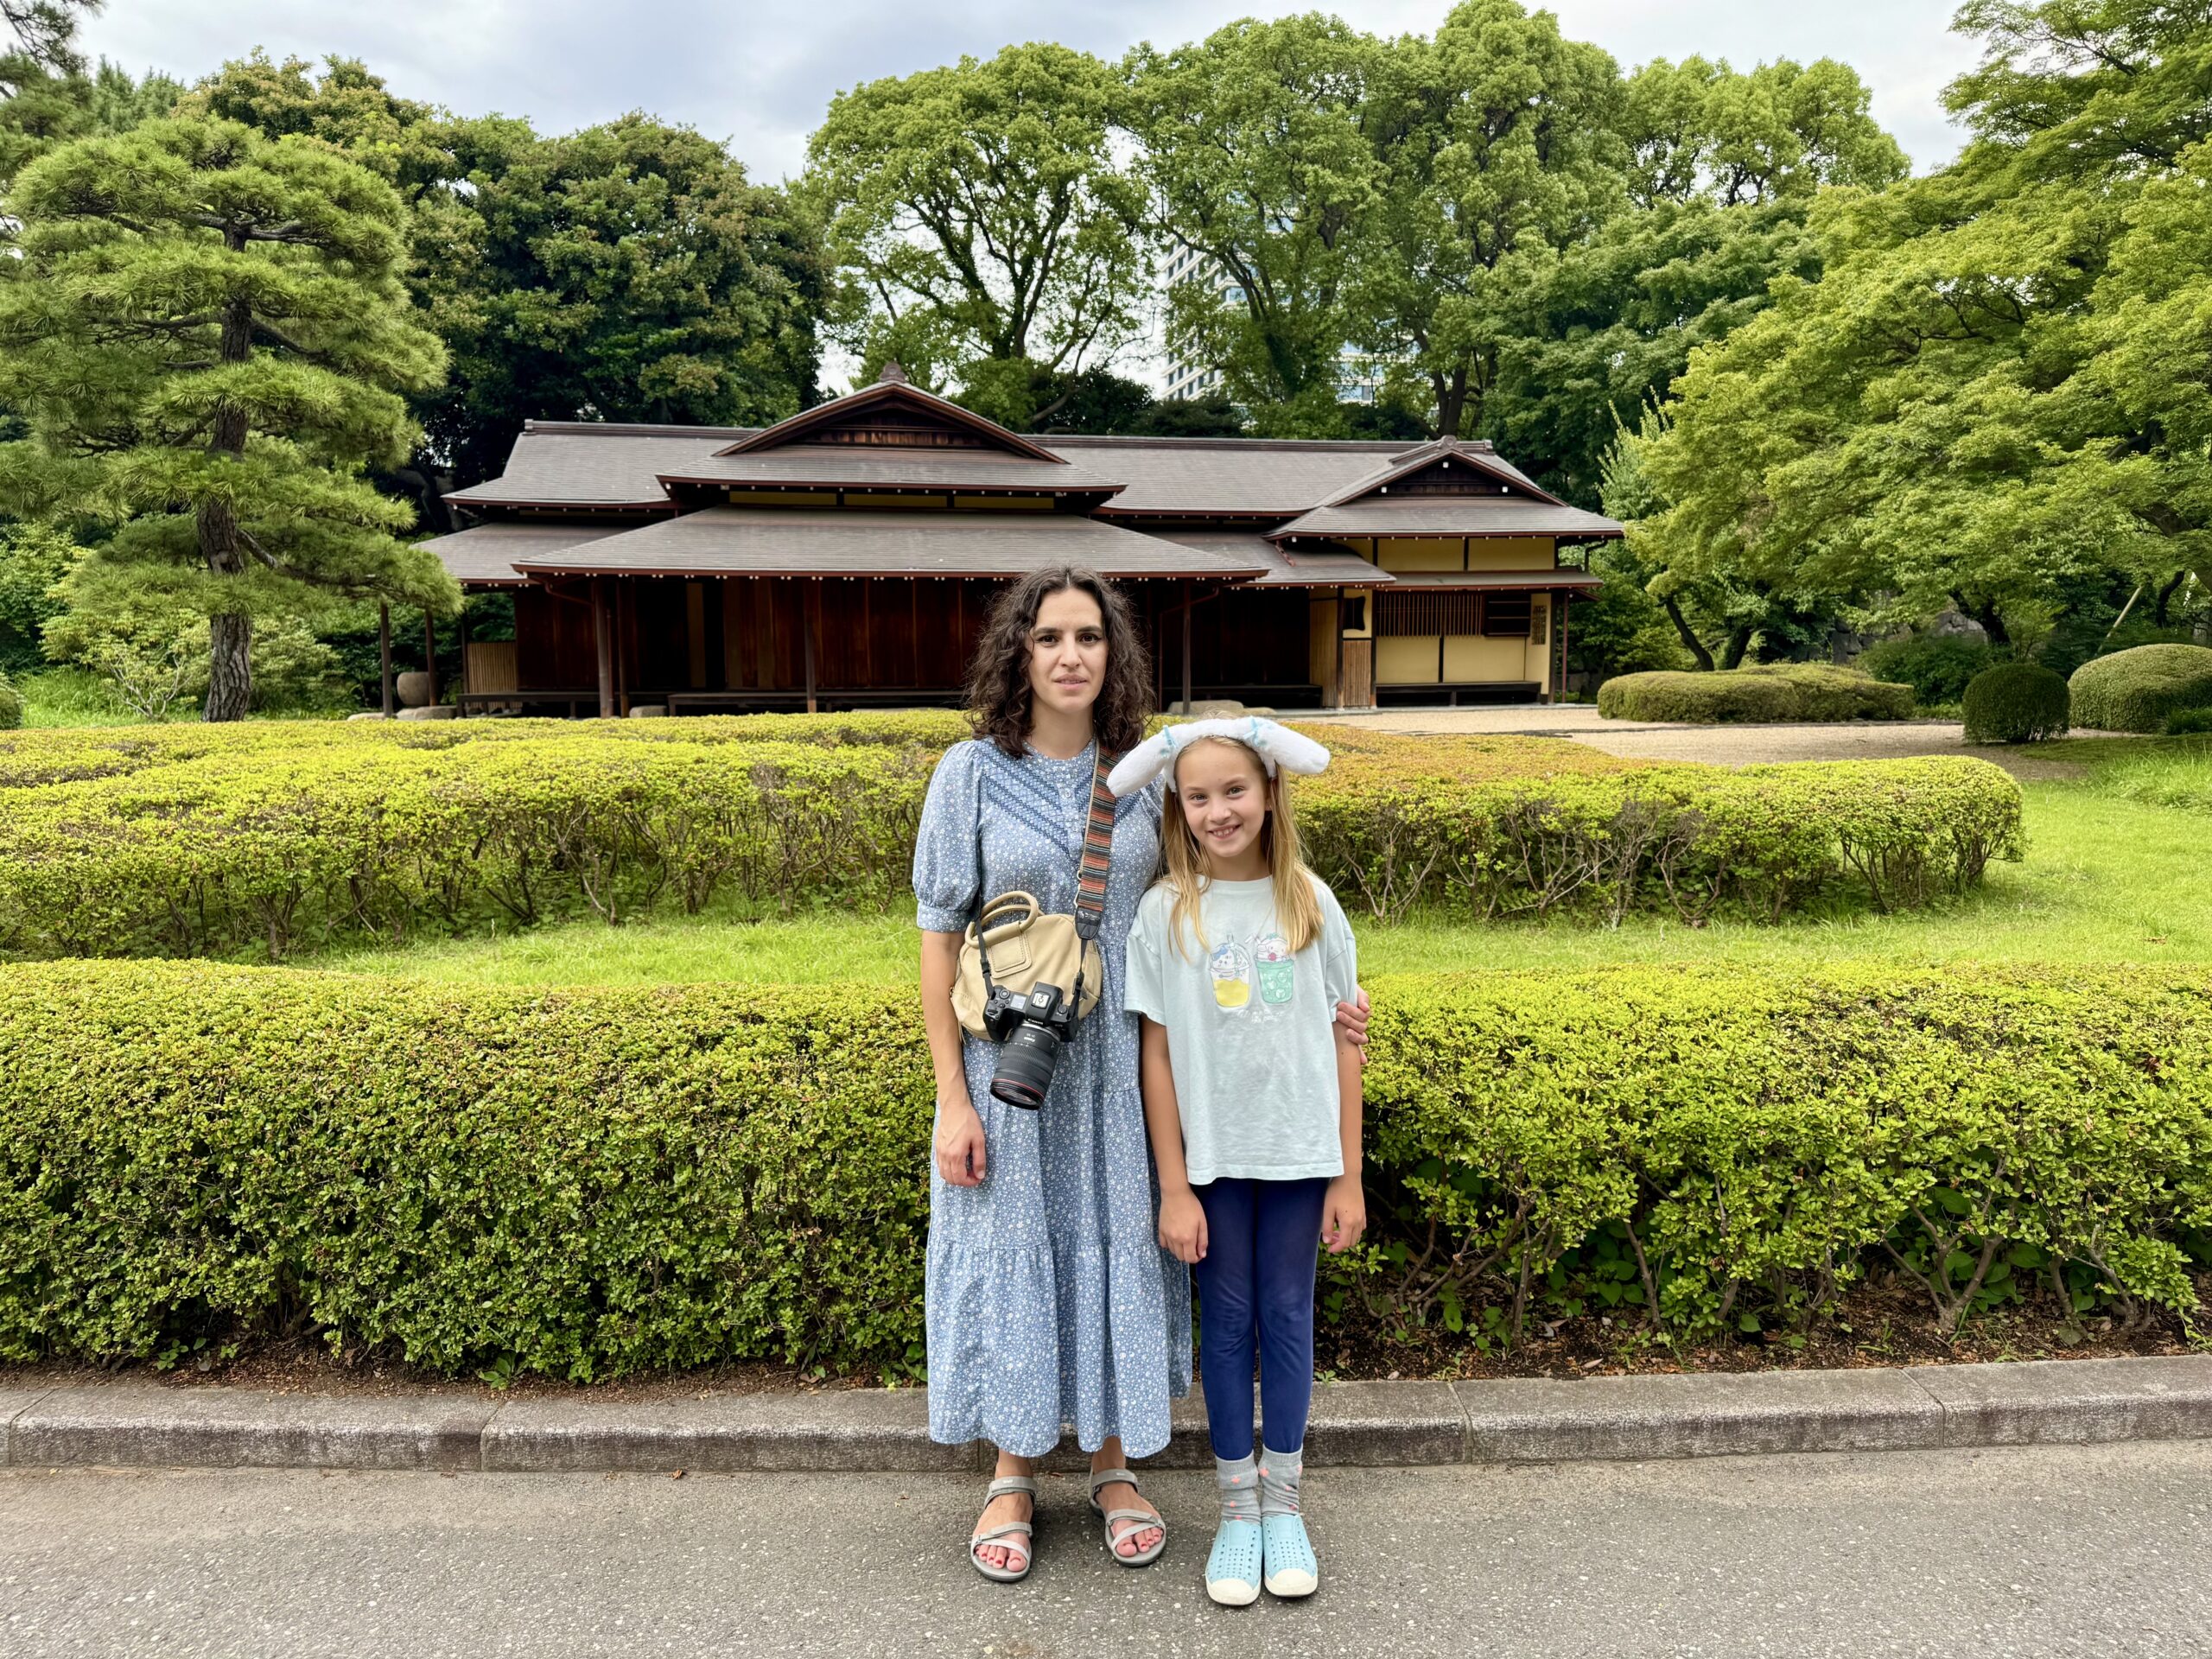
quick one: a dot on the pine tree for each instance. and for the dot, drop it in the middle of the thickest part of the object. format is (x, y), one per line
(210, 339)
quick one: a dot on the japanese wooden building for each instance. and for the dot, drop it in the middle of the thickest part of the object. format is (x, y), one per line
(845, 557)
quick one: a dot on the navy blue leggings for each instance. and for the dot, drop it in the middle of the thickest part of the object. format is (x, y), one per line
(1256, 1293)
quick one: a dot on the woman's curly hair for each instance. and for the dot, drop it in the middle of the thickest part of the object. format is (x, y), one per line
(998, 677)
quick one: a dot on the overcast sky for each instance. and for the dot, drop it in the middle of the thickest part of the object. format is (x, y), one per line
(761, 75)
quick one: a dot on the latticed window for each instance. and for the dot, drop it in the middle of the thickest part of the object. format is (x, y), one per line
(1506, 615)
(1418, 612)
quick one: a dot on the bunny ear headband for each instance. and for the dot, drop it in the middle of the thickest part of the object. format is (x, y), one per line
(1276, 746)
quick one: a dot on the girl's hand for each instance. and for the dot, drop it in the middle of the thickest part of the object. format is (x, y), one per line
(1352, 1016)
(1183, 1226)
(959, 1144)
(1343, 1214)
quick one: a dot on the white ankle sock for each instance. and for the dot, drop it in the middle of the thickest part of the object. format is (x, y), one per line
(1240, 1487)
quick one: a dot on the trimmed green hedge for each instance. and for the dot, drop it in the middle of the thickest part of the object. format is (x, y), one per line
(1760, 693)
(2016, 702)
(2139, 689)
(256, 842)
(590, 1183)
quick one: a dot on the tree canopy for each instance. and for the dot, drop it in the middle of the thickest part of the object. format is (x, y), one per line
(986, 227)
(212, 340)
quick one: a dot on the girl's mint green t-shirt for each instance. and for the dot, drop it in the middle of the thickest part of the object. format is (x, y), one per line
(1250, 1037)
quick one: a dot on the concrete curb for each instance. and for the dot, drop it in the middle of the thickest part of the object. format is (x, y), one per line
(1375, 1424)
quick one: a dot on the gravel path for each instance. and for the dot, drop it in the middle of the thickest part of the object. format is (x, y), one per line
(1726, 745)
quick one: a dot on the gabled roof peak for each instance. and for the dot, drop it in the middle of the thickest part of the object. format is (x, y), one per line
(891, 414)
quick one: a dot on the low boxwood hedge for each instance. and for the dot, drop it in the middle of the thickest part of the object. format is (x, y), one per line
(590, 1183)
(1761, 693)
(210, 851)
(2140, 690)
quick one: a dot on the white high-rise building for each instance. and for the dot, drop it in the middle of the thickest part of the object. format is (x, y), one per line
(1360, 373)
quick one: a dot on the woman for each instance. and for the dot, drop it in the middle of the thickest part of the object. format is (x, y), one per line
(1050, 1301)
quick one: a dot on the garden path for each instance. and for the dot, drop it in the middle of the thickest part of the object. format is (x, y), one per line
(2018, 1550)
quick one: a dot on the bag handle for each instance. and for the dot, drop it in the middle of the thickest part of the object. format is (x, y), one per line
(1090, 876)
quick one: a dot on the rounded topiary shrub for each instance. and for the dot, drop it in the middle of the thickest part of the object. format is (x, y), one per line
(11, 706)
(2016, 702)
(1764, 692)
(2141, 689)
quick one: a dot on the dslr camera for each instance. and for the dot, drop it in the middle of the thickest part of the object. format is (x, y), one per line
(1030, 1027)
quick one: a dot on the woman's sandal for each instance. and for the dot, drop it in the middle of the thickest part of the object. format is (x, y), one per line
(1144, 1518)
(1233, 1567)
(1025, 1531)
(1291, 1567)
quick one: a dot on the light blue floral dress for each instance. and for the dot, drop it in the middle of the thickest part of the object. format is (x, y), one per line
(1050, 1301)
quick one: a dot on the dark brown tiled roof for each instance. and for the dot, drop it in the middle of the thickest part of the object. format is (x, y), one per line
(900, 401)
(485, 555)
(809, 466)
(751, 542)
(1496, 581)
(574, 463)
(1449, 515)
(1319, 566)
(1196, 478)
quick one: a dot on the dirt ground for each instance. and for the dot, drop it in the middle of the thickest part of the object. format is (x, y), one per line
(1725, 746)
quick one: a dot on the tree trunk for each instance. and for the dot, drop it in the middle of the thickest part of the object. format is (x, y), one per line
(1992, 623)
(2166, 597)
(230, 677)
(1694, 646)
(1739, 640)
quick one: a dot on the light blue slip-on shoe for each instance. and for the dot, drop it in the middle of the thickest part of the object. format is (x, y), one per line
(1233, 1567)
(1292, 1571)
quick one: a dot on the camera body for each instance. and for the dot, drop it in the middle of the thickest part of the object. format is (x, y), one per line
(1030, 1027)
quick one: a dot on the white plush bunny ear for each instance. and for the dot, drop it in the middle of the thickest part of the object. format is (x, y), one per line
(1276, 745)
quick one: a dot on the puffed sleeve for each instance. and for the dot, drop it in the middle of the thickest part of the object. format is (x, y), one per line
(1143, 990)
(947, 870)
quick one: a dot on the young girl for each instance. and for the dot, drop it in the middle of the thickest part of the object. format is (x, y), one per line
(1237, 959)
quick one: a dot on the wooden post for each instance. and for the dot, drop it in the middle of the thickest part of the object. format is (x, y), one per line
(602, 634)
(461, 625)
(809, 614)
(1187, 603)
(1560, 605)
(430, 654)
(384, 656)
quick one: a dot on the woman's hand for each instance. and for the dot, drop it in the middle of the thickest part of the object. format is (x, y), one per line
(959, 1144)
(1343, 1214)
(1183, 1226)
(1352, 1016)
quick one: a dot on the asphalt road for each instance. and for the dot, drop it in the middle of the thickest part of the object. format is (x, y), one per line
(2056, 1551)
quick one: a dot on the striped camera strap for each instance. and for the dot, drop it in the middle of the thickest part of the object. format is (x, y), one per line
(1097, 848)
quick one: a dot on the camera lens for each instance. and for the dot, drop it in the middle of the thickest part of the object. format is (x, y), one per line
(1027, 1061)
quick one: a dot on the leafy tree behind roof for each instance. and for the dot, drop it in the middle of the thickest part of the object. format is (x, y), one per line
(984, 225)
(212, 341)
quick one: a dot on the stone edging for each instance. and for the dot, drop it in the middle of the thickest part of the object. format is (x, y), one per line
(2042, 1403)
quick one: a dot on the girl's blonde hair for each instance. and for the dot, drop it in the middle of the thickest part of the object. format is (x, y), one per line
(1297, 911)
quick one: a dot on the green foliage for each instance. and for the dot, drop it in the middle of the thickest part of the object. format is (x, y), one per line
(1761, 692)
(2016, 702)
(1937, 666)
(1992, 398)
(627, 272)
(2190, 723)
(1251, 144)
(11, 704)
(2139, 690)
(34, 559)
(985, 224)
(1497, 144)
(593, 1183)
(197, 841)
(210, 338)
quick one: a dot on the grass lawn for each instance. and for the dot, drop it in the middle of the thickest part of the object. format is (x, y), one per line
(2107, 879)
